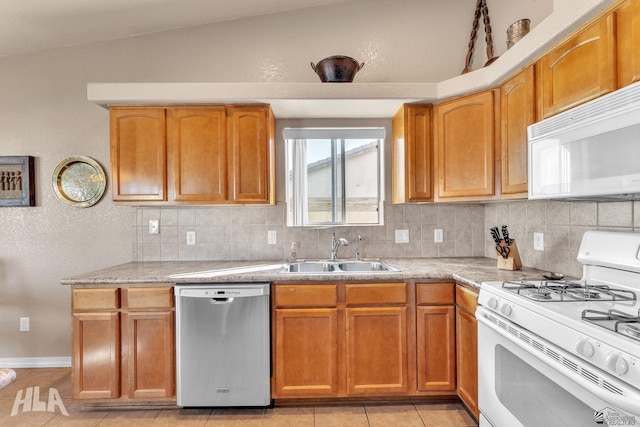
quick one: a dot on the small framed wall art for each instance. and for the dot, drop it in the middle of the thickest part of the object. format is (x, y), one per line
(17, 184)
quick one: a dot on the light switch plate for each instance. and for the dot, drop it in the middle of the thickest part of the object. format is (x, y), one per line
(191, 237)
(402, 236)
(438, 235)
(272, 237)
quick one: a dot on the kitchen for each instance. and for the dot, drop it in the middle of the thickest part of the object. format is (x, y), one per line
(46, 114)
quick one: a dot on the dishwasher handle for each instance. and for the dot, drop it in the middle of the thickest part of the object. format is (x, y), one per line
(222, 293)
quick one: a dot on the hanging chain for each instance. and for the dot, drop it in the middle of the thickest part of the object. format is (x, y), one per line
(481, 9)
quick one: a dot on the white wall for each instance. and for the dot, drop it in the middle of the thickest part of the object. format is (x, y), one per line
(44, 113)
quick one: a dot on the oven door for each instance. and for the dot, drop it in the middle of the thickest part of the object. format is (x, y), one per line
(524, 380)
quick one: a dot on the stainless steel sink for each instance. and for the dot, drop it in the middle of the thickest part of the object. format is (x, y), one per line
(340, 266)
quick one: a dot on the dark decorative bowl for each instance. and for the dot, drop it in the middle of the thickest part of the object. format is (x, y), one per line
(337, 69)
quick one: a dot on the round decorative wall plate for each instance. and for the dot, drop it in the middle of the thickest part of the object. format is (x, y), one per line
(78, 181)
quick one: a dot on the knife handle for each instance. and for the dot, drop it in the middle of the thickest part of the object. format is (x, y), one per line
(505, 234)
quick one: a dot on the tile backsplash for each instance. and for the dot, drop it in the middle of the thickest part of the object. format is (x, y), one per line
(240, 232)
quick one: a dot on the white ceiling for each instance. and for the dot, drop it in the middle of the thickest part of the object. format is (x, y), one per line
(35, 25)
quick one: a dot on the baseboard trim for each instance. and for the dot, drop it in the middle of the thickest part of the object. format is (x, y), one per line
(35, 362)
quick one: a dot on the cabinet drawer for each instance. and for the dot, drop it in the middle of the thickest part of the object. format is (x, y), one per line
(379, 293)
(466, 299)
(304, 295)
(156, 297)
(96, 299)
(435, 293)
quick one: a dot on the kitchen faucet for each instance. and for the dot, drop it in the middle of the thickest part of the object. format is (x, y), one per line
(335, 244)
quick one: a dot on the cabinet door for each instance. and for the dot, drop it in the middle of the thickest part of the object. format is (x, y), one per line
(148, 348)
(579, 70)
(467, 360)
(251, 131)
(96, 355)
(198, 154)
(517, 111)
(376, 351)
(306, 353)
(628, 24)
(465, 147)
(412, 154)
(436, 348)
(138, 154)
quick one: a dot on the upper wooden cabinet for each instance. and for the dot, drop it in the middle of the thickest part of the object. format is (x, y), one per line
(206, 154)
(251, 133)
(138, 154)
(517, 111)
(412, 166)
(465, 147)
(198, 153)
(578, 70)
(628, 32)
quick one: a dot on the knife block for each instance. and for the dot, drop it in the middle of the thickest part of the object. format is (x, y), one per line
(512, 262)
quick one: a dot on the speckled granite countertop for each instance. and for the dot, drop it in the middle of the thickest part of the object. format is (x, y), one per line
(471, 271)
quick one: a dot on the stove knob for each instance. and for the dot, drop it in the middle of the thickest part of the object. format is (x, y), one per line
(506, 310)
(585, 348)
(617, 364)
(492, 303)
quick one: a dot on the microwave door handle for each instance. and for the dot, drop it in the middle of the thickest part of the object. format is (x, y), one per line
(629, 402)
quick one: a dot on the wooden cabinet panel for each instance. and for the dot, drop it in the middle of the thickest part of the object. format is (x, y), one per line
(436, 348)
(628, 42)
(412, 166)
(435, 293)
(467, 299)
(152, 297)
(306, 295)
(96, 355)
(376, 351)
(198, 154)
(138, 154)
(95, 299)
(465, 148)
(251, 140)
(579, 70)
(517, 111)
(467, 359)
(306, 353)
(375, 294)
(148, 354)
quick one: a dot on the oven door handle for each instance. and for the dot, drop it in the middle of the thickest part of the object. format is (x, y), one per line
(629, 401)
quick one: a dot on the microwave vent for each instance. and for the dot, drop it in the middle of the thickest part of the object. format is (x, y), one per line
(620, 101)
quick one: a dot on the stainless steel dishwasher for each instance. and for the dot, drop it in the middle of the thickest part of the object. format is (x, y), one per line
(222, 344)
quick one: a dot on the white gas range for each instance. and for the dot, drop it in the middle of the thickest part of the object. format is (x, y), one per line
(564, 353)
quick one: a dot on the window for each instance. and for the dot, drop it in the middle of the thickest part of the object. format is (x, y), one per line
(334, 175)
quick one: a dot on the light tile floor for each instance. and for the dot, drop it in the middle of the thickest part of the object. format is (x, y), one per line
(59, 379)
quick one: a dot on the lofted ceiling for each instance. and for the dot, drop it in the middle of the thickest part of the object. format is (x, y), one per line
(35, 25)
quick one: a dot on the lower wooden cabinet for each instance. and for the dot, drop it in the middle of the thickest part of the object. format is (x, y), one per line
(306, 352)
(436, 342)
(338, 340)
(467, 343)
(123, 343)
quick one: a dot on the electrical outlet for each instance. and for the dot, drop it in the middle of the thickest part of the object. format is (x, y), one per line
(402, 236)
(191, 237)
(272, 237)
(24, 324)
(438, 236)
(154, 226)
(538, 241)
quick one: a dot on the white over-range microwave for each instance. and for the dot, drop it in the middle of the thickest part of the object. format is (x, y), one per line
(589, 152)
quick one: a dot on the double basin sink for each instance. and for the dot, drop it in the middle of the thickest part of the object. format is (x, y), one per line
(337, 266)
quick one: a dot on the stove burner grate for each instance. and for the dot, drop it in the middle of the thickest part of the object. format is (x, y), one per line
(571, 290)
(616, 321)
